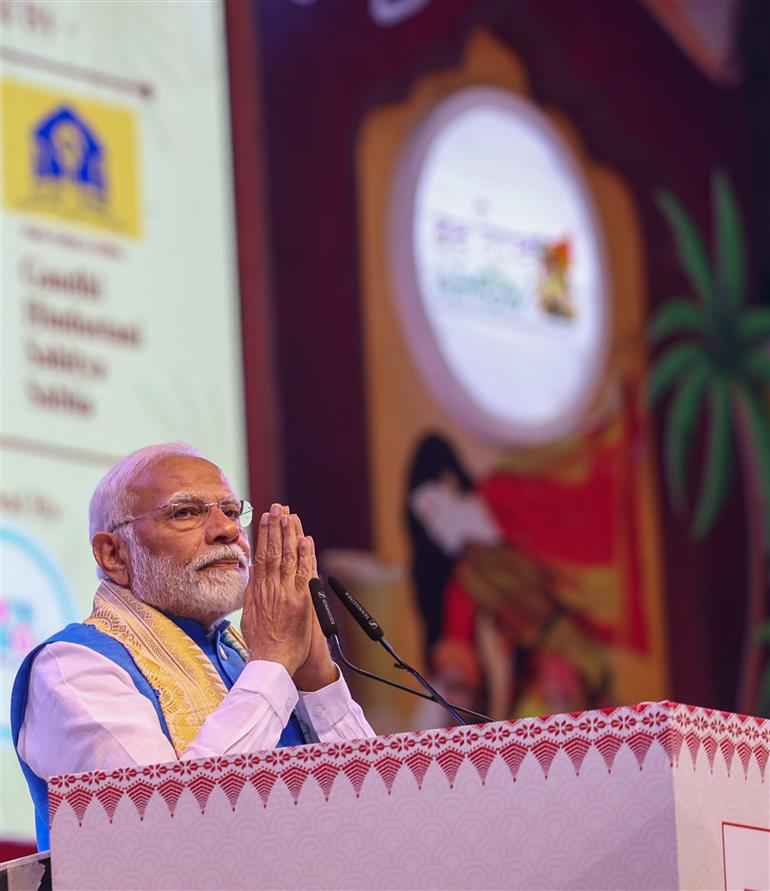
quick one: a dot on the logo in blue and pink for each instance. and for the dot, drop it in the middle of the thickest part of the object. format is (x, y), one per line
(35, 602)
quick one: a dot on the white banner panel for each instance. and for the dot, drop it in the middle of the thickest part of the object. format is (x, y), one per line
(121, 323)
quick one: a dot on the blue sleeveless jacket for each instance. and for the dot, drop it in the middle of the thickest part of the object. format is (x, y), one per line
(225, 659)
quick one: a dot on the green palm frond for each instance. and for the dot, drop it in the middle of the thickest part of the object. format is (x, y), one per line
(676, 317)
(718, 355)
(716, 478)
(759, 426)
(682, 417)
(669, 365)
(754, 324)
(728, 242)
(690, 248)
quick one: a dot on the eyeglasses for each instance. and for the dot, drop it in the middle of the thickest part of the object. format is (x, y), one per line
(192, 512)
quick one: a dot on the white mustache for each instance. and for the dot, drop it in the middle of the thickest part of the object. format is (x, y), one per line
(215, 555)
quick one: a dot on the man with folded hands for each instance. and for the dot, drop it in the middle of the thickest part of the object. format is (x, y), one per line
(156, 672)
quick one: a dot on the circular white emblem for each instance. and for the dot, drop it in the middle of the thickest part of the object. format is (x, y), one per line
(35, 602)
(498, 264)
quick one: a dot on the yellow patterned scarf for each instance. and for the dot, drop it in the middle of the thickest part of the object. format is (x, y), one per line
(189, 686)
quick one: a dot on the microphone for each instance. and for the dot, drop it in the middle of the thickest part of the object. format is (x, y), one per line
(331, 632)
(364, 619)
(373, 630)
(322, 609)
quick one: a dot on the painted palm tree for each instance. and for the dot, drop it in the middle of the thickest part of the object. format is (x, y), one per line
(717, 368)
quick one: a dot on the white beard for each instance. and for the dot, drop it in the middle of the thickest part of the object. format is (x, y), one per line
(186, 590)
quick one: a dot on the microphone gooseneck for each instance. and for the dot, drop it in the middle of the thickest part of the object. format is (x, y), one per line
(330, 631)
(375, 632)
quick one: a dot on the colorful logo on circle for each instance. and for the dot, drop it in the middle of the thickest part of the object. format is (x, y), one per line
(35, 602)
(499, 267)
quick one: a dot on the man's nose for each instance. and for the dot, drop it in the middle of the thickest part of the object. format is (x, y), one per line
(220, 527)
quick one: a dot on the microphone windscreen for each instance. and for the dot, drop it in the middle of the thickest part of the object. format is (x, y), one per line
(355, 609)
(322, 609)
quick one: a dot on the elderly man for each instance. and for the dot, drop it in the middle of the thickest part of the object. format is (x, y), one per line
(156, 672)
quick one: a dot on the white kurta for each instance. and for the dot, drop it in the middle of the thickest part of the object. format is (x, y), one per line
(84, 713)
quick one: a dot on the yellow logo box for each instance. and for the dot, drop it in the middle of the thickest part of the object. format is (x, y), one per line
(71, 159)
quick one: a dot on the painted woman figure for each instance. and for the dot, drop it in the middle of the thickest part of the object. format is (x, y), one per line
(526, 578)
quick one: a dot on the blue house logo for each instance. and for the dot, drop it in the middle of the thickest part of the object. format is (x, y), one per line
(68, 150)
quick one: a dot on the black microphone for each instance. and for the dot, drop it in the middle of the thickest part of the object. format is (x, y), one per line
(330, 631)
(322, 609)
(355, 609)
(376, 633)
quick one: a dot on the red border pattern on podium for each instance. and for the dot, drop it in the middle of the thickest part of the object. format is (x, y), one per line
(735, 739)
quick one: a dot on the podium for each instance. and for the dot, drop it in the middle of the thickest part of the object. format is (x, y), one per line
(657, 795)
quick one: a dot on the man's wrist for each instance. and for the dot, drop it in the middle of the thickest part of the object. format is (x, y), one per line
(279, 658)
(309, 681)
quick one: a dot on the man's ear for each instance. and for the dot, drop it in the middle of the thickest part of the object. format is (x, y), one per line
(111, 554)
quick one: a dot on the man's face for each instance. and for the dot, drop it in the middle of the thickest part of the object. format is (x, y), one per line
(198, 573)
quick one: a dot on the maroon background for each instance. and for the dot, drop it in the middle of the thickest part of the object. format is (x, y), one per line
(639, 106)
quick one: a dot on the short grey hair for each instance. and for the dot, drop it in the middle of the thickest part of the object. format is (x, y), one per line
(112, 500)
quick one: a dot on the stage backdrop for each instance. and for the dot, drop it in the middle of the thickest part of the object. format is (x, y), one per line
(121, 324)
(510, 456)
(526, 270)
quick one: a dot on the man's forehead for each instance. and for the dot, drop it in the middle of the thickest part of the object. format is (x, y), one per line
(180, 473)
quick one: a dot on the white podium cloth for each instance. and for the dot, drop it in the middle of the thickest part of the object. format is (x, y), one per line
(657, 795)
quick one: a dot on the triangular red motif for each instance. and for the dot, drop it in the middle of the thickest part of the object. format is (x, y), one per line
(449, 761)
(140, 793)
(388, 767)
(710, 748)
(608, 746)
(671, 740)
(109, 796)
(294, 779)
(325, 774)
(231, 784)
(481, 758)
(356, 771)
(54, 800)
(744, 753)
(545, 751)
(693, 745)
(760, 754)
(170, 790)
(201, 787)
(418, 763)
(727, 748)
(263, 781)
(640, 743)
(513, 754)
(577, 749)
(78, 800)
